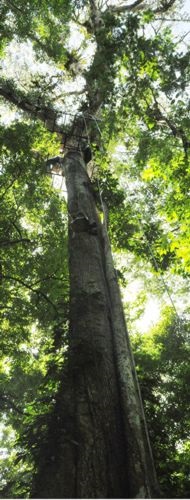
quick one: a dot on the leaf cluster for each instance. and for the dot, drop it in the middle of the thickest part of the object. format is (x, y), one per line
(34, 298)
(161, 357)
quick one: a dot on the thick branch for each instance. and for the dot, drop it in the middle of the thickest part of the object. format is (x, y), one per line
(37, 110)
(125, 8)
(164, 6)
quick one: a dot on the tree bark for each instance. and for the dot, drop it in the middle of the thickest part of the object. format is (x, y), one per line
(101, 455)
(140, 462)
(100, 449)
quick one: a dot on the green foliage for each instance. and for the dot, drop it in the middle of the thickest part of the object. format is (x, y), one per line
(136, 83)
(33, 293)
(161, 357)
(38, 20)
(106, 185)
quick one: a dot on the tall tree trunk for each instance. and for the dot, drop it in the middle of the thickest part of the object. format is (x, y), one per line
(100, 449)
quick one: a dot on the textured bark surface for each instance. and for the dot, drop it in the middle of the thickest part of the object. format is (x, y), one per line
(141, 468)
(101, 454)
(100, 449)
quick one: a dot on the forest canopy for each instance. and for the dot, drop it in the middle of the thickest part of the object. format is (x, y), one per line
(113, 77)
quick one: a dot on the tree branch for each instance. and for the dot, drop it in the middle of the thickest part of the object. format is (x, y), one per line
(176, 131)
(37, 110)
(173, 20)
(124, 8)
(8, 187)
(29, 287)
(50, 277)
(13, 6)
(165, 6)
(8, 402)
(17, 228)
(14, 242)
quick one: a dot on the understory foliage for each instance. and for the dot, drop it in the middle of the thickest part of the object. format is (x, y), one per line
(161, 357)
(129, 72)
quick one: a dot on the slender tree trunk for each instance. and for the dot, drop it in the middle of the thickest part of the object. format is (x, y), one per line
(101, 447)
